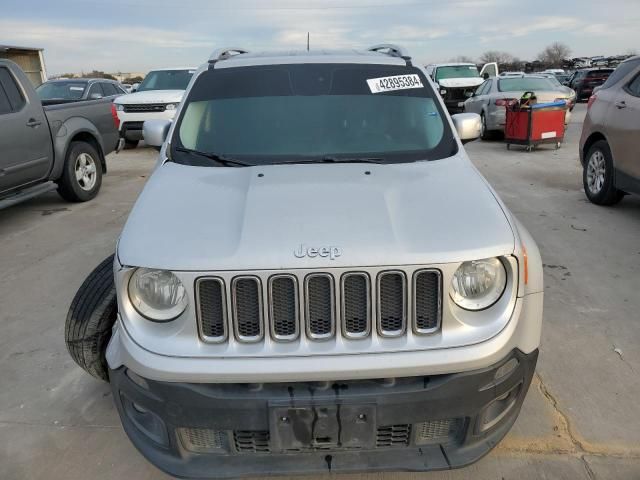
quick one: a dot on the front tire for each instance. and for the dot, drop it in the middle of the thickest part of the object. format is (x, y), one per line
(598, 175)
(90, 319)
(82, 173)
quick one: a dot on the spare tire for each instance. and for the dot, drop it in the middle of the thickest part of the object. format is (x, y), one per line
(91, 316)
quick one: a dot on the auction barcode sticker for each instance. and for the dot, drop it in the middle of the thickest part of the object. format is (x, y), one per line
(397, 82)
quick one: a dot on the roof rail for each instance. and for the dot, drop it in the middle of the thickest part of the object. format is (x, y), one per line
(391, 50)
(225, 53)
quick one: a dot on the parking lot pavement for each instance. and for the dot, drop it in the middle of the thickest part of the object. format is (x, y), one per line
(579, 421)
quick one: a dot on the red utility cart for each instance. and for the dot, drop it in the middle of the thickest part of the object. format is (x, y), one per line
(535, 124)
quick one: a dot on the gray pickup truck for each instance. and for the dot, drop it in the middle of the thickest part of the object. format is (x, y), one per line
(59, 147)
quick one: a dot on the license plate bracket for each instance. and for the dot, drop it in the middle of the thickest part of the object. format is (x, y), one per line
(322, 427)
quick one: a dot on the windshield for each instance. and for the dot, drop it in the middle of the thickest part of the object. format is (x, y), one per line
(166, 80)
(525, 84)
(456, 71)
(61, 90)
(276, 113)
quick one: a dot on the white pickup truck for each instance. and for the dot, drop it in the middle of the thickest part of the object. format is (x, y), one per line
(157, 97)
(458, 81)
(314, 279)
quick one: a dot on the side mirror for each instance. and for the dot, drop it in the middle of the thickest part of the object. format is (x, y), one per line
(95, 96)
(468, 126)
(485, 75)
(154, 132)
(134, 87)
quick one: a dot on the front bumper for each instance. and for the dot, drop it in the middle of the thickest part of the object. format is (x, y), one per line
(404, 424)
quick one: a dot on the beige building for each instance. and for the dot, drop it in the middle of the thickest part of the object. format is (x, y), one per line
(31, 60)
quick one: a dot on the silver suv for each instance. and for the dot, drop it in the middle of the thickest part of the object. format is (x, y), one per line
(315, 277)
(610, 138)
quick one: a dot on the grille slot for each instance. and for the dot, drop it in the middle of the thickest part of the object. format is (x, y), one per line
(393, 436)
(392, 300)
(211, 301)
(247, 441)
(202, 440)
(356, 305)
(149, 107)
(246, 294)
(426, 301)
(437, 431)
(320, 306)
(283, 307)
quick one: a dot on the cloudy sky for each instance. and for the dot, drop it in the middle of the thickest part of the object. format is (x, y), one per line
(137, 35)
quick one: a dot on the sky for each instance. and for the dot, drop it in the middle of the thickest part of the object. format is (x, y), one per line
(138, 35)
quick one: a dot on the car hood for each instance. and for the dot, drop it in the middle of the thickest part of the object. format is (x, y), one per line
(152, 96)
(461, 82)
(209, 218)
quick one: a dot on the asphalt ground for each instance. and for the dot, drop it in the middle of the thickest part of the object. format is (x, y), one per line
(581, 418)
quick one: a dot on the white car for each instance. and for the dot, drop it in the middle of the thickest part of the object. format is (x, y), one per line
(315, 278)
(157, 97)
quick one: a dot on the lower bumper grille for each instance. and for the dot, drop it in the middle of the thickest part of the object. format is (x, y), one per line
(203, 440)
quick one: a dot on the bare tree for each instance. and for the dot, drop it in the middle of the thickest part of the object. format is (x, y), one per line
(498, 57)
(463, 59)
(554, 54)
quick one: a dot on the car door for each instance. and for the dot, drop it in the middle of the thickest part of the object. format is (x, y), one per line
(474, 104)
(26, 152)
(95, 92)
(491, 69)
(623, 127)
(110, 90)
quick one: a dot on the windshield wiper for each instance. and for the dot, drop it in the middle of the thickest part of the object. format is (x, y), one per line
(332, 159)
(216, 157)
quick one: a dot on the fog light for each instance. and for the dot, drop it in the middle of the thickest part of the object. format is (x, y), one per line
(506, 369)
(137, 379)
(498, 409)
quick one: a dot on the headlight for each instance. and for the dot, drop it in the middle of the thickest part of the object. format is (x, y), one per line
(171, 106)
(119, 107)
(157, 294)
(478, 284)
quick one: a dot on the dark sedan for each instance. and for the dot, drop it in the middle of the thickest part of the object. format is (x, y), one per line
(75, 89)
(586, 80)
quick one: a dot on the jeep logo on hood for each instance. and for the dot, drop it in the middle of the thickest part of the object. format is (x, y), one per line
(326, 252)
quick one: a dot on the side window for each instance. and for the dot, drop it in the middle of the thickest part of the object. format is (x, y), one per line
(12, 93)
(95, 88)
(5, 106)
(634, 87)
(109, 89)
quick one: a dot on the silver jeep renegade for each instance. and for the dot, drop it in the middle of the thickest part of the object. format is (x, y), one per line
(316, 278)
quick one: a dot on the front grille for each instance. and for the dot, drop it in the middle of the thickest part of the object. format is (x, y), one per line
(458, 94)
(247, 441)
(392, 303)
(356, 305)
(393, 436)
(283, 307)
(202, 440)
(426, 301)
(142, 108)
(212, 307)
(316, 304)
(247, 308)
(320, 306)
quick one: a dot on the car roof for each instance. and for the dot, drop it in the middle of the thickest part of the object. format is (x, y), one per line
(313, 56)
(85, 80)
(172, 68)
(452, 64)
